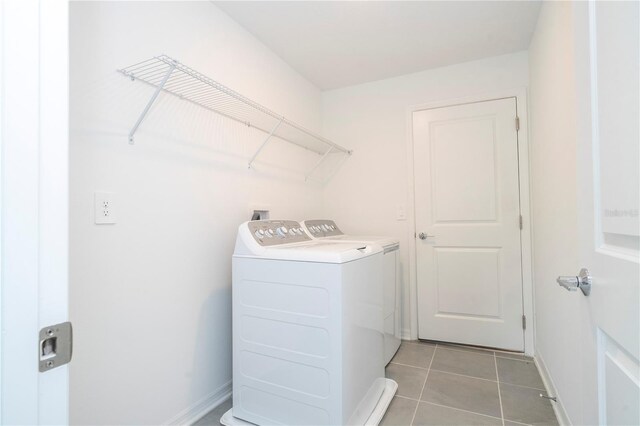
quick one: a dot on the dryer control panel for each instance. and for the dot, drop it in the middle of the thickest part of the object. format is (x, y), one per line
(274, 232)
(322, 228)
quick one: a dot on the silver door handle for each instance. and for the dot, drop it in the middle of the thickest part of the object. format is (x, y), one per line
(424, 236)
(572, 283)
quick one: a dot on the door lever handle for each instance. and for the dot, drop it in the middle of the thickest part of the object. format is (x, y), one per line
(424, 236)
(581, 281)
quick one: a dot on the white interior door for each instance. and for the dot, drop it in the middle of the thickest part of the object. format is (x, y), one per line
(468, 256)
(608, 123)
(34, 199)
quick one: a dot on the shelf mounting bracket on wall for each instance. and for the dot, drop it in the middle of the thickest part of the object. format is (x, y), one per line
(314, 168)
(255, 155)
(151, 101)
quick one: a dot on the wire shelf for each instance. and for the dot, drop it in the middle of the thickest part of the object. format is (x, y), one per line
(168, 75)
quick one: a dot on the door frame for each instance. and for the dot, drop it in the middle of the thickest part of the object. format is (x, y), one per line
(520, 94)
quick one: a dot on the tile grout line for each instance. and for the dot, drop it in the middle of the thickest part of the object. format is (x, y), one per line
(477, 351)
(481, 351)
(461, 409)
(451, 408)
(464, 375)
(433, 355)
(405, 397)
(514, 359)
(523, 386)
(495, 360)
(482, 378)
(408, 365)
(498, 381)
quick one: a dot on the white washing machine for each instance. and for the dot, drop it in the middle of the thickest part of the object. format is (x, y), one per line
(307, 330)
(328, 230)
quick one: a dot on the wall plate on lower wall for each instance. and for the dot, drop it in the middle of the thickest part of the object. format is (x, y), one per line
(259, 212)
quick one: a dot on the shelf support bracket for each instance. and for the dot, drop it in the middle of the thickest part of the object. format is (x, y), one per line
(314, 168)
(151, 101)
(265, 142)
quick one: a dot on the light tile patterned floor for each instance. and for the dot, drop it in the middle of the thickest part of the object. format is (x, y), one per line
(441, 384)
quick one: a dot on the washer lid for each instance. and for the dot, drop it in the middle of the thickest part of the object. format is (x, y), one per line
(285, 240)
(316, 251)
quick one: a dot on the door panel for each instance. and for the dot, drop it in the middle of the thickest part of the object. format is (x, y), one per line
(615, 47)
(455, 297)
(618, 383)
(467, 202)
(468, 196)
(608, 129)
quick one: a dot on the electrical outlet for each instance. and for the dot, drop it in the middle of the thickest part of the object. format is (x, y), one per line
(104, 208)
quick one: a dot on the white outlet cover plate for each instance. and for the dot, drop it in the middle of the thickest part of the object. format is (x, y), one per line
(104, 208)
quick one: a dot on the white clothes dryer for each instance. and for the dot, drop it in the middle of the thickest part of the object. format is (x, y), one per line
(328, 230)
(307, 330)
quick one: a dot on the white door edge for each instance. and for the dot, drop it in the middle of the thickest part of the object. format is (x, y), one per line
(520, 94)
(34, 143)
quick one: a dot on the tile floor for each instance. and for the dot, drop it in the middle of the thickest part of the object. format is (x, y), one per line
(442, 384)
(213, 416)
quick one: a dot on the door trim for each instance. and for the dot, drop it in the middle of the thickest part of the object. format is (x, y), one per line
(520, 94)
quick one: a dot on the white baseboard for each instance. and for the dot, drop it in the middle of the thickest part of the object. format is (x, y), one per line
(195, 412)
(558, 407)
(405, 334)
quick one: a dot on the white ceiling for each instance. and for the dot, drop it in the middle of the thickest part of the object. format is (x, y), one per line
(339, 43)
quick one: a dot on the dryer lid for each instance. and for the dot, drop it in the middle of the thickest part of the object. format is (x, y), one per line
(325, 229)
(368, 239)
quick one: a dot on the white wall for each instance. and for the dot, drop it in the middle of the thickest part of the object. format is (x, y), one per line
(554, 200)
(150, 295)
(364, 195)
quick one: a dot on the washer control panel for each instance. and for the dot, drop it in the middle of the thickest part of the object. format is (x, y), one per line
(274, 232)
(322, 228)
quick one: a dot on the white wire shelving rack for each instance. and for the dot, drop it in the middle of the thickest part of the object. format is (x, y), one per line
(168, 75)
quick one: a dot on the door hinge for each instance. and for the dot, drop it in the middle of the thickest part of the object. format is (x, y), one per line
(524, 322)
(517, 124)
(55, 346)
(520, 221)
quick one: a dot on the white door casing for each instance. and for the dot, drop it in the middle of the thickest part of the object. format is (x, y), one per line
(469, 274)
(34, 200)
(608, 129)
